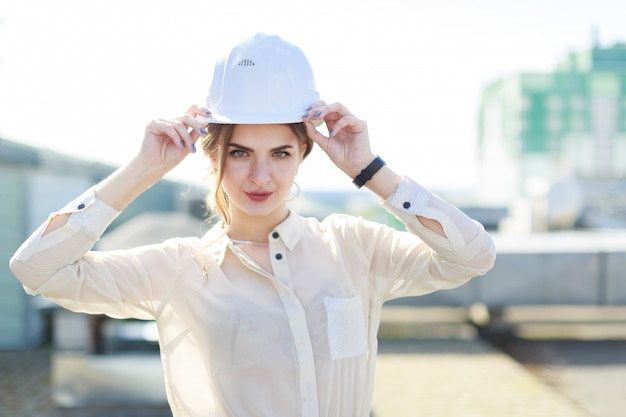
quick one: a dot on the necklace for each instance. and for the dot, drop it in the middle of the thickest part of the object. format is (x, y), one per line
(248, 242)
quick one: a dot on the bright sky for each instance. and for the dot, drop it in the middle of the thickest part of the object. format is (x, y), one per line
(85, 77)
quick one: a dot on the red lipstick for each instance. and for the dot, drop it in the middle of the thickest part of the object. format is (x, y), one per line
(258, 196)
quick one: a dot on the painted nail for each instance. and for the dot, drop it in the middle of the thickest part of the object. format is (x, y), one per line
(305, 115)
(330, 132)
(193, 147)
(207, 111)
(309, 108)
(182, 144)
(203, 131)
(318, 114)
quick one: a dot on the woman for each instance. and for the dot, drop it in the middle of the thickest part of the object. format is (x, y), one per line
(269, 314)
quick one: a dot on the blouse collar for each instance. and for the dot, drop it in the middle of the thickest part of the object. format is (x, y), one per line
(289, 232)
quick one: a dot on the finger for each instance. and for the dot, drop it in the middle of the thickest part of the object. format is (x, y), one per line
(193, 123)
(351, 123)
(313, 109)
(177, 132)
(195, 110)
(194, 129)
(190, 130)
(201, 114)
(330, 111)
(316, 136)
(316, 105)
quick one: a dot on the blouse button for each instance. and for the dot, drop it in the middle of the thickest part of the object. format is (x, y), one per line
(275, 235)
(81, 206)
(279, 256)
(406, 205)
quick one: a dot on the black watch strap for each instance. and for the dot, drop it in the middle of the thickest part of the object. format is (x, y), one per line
(369, 172)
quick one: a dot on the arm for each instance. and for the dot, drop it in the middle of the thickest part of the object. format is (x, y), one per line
(348, 147)
(444, 248)
(423, 261)
(165, 145)
(56, 260)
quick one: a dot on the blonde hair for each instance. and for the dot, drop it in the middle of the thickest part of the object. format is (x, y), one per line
(216, 143)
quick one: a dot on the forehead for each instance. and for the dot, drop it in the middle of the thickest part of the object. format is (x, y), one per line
(258, 136)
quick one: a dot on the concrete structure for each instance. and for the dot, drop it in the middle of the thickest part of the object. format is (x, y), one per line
(573, 268)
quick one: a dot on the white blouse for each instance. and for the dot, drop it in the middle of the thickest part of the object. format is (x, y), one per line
(238, 341)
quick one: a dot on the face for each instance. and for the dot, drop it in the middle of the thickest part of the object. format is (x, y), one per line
(261, 165)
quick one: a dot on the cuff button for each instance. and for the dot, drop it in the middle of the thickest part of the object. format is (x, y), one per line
(81, 206)
(406, 205)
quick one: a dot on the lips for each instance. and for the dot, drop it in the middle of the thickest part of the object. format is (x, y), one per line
(258, 196)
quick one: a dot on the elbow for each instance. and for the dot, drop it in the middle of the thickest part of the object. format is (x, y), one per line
(479, 257)
(25, 273)
(17, 266)
(488, 256)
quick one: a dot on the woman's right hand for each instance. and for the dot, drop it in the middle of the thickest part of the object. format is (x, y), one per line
(168, 141)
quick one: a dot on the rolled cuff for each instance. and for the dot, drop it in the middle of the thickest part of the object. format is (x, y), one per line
(91, 213)
(87, 213)
(412, 199)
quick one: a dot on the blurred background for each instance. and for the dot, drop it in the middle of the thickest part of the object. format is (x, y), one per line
(513, 111)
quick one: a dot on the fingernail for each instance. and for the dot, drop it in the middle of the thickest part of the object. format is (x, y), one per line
(207, 111)
(318, 114)
(193, 147)
(309, 108)
(330, 132)
(203, 131)
(305, 115)
(182, 144)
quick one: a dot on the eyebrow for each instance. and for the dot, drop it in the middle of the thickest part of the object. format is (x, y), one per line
(245, 148)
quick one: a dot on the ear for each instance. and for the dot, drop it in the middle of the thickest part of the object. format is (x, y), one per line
(302, 151)
(213, 159)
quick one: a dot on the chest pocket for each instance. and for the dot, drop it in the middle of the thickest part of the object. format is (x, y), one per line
(346, 326)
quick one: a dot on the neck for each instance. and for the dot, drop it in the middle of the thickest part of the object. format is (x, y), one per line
(247, 234)
(253, 228)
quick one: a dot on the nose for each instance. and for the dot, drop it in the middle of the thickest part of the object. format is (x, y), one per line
(259, 172)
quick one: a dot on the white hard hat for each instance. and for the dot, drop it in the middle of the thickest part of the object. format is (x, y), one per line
(263, 80)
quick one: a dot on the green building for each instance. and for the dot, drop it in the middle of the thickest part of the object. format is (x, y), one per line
(539, 128)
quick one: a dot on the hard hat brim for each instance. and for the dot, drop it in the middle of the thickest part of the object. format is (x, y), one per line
(260, 119)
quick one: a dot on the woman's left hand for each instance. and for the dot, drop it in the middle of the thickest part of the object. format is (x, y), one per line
(347, 144)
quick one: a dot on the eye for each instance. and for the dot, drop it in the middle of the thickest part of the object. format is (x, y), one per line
(281, 154)
(238, 153)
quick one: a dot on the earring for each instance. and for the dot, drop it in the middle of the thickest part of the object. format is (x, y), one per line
(293, 195)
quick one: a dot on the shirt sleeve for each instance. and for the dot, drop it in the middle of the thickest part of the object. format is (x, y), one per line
(424, 261)
(86, 212)
(62, 267)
